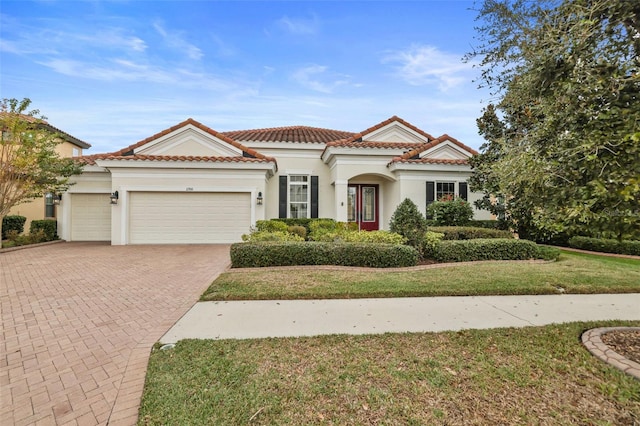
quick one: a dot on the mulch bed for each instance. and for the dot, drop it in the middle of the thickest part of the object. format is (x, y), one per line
(624, 342)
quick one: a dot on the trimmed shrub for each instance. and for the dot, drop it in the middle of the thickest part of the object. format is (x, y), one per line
(261, 236)
(485, 249)
(12, 223)
(410, 223)
(631, 247)
(271, 226)
(450, 211)
(329, 230)
(378, 237)
(548, 253)
(489, 224)
(48, 226)
(246, 255)
(469, 232)
(15, 239)
(306, 222)
(430, 243)
(298, 230)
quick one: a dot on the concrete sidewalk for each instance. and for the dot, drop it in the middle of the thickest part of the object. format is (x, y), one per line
(287, 318)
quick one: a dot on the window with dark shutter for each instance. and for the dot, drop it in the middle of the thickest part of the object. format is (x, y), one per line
(462, 190)
(431, 193)
(314, 196)
(282, 201)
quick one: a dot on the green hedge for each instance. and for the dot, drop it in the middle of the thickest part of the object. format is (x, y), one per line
(271, 226)
(306, 222)
(12, 223)
(48, 226)
(485, 249)
(247, 255)
(490, 224)
(606, 246)
(469, 232)
(273, 236)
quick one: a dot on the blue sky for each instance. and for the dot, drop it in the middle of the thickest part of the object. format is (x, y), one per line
(115, 72)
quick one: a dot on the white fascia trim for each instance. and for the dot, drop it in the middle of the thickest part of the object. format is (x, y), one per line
(175, 174)
(93, 168)
(388, 153)
(394, 167)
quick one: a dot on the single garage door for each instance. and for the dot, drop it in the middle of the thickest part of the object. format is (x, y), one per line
(188, 217)
(90, 217)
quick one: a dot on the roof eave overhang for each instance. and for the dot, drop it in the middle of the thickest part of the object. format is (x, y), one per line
(411, 166)
(268, 166)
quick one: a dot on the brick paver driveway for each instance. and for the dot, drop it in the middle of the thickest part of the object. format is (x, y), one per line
(79, 320)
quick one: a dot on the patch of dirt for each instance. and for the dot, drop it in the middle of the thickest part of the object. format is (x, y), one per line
(624, 342)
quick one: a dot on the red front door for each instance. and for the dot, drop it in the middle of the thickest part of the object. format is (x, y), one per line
(362, 206)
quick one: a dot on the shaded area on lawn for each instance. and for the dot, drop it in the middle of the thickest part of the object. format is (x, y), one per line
(539, 375)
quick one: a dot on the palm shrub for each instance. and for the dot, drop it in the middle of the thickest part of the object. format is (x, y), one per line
(410, 223)
(450, 211)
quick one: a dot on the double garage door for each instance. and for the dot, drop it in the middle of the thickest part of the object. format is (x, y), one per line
(188, 217)
(165, 217)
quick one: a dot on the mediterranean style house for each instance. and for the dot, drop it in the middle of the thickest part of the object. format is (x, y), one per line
(46, 206)
(192, 184)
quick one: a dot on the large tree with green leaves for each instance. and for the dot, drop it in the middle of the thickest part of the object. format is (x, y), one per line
(30, 166)
(562, 144)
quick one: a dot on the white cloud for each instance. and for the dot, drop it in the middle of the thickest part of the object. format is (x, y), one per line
(427, 65)
(177, 42)
(299, 26)
(311, 77)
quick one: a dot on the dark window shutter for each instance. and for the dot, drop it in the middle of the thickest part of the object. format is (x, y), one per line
(314, 196)
(431, 194)
(282, 211)
(462, 190)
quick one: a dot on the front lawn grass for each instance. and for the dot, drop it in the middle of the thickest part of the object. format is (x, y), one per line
(572, 273)
(534, 375)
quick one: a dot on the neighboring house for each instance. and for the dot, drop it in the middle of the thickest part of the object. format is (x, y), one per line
(192, 184)
(45, 207)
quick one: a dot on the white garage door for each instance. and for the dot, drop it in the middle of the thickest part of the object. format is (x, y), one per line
(90, 217)
(188, 217)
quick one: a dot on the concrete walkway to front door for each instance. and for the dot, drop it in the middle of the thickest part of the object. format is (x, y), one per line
(79, 320)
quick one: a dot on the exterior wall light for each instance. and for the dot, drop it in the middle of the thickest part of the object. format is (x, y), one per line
(57, 198)
(259, 199)
(114, 198)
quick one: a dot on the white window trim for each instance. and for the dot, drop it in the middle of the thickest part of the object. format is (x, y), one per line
(308, 200)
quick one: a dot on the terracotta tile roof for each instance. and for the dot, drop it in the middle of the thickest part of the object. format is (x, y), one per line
(43, 123)
(200, 126)
(347, 143)
(359, 136)
(299, 134)
(127, 153)
(409, 157)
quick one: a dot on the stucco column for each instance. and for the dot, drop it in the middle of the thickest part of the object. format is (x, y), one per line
(341, 200)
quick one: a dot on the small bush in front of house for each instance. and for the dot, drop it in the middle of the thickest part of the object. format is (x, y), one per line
(430, 243)
(265, 236)
(306, 222)
(246, 255)
(14, 239)
(631, 247)
(12, 223)
(48, 226)
(450, 211)
(377, 237)
(329, 230)
(298, 230)
(469, 232)
(485, 249)
(410, 223)
(271, 226)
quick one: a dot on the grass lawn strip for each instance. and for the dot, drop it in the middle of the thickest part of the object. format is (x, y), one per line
(573, 273)
(535, 375)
